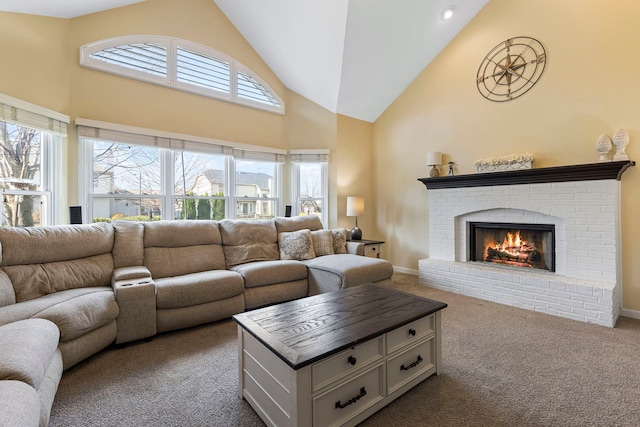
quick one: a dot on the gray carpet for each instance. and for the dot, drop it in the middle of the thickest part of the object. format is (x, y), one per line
(502, 366)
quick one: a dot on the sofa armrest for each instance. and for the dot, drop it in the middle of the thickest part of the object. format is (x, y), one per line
(355, 248)
(135, 293)
(134, 273)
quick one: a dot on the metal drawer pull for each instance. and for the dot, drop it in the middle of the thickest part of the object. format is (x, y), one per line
(412, 332)
(413, 365)
(351, 360)
(354, 399)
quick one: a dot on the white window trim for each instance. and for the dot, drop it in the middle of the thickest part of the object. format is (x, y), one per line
(311, 156)
(171, 45)
(53, 126)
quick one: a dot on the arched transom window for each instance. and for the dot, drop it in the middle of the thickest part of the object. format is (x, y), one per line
(183, 65)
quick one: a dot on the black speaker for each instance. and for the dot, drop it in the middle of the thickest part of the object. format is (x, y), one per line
(287, 211)
(75, 214)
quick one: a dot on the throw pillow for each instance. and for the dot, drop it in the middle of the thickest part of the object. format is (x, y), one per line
(339, 240)
(322, 242)
(296, 245)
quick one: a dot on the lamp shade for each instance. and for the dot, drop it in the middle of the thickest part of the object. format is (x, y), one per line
(355, 206)
(434, 158)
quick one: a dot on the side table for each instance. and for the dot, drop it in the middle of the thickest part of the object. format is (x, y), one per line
(371, 247)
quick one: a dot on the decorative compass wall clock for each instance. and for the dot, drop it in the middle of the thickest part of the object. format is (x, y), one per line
(511, 69)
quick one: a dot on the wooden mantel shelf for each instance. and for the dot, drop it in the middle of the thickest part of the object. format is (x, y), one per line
(586, 172)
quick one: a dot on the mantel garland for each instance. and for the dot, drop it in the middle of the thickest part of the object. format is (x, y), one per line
(504, 163)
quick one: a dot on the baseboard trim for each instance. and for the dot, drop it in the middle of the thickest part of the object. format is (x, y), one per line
(627, 312)
(405, 270)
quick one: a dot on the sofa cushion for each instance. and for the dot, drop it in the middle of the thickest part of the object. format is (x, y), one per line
(20, 404)
(175, 234)
(249, 241)
(339, 240)
(174, 248)
(31, 308)
(170, 262)
(353, 269)
(263, 273)
(128, 247)
(198, 288)
(322, 242)
(7, 294)
(37, 245)
(295, 223)
(82, 313)
(35, 280)
(28, 346)
(296, 245)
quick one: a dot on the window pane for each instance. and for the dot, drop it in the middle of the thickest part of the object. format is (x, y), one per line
(125, 169)
(310, 180)
(21, 210)
(255, 179)
(20, 159)
(144, 57)
(255, 209)
(203, 71)
(198, 174)
(310, 207)
(192, 208)
(106, 209)
(249, 88)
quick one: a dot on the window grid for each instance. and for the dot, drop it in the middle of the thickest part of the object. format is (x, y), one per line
(119, 199)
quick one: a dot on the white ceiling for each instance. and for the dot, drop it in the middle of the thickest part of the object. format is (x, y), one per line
(352, 57)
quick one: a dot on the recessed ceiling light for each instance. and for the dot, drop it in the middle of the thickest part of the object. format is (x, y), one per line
(447, 13)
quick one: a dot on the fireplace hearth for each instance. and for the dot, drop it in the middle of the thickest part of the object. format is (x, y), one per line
(512, 244)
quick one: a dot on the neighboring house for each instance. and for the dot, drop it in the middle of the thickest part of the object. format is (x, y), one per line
(127, 205)
(249, 185)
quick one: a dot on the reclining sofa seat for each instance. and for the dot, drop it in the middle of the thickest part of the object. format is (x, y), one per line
(335, 271)
(251, 249)
(63, 274)
(187, 264)
(30, 371)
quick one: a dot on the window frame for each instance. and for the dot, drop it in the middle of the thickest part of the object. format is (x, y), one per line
(169, 144)
(53, 131)
(171, 46)
(319, 156)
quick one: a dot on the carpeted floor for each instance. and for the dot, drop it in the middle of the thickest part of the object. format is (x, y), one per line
(502, 366)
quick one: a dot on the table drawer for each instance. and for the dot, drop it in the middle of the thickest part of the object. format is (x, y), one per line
(411, 332)
(346, 362)
(372, 250)
(409, 364)
(340, 404)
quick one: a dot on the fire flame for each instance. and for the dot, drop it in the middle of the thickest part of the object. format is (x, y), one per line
(512, 244)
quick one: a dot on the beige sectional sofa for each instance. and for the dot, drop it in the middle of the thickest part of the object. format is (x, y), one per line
(67, 292)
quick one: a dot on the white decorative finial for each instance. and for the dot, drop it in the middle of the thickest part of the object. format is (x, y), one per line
(620, 141)
(603, 146)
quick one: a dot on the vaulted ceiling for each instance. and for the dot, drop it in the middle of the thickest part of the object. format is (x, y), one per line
(352, 57)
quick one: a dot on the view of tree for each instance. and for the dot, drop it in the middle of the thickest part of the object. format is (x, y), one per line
(204, 208)
(20, 159)
(218, 208)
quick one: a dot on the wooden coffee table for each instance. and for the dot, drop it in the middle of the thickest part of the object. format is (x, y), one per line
(336, 358)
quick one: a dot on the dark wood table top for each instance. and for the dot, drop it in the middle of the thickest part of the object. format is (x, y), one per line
(306, 330)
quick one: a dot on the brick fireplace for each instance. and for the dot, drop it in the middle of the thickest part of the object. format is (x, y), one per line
(580, 203)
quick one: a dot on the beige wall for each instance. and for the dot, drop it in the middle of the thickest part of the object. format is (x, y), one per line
(354, 160)
(35, 60)
(590, 87)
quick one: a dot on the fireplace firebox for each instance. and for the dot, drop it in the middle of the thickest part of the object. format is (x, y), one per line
(515, 245)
